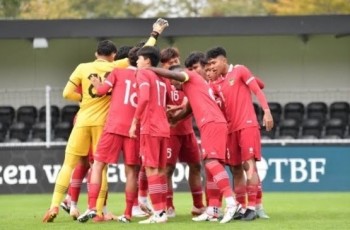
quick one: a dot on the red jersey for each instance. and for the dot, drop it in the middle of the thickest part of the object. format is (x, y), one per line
(183, 127)
(202, 100)
(123, 101)
(151, 108)
(216, 87)
(236, 91)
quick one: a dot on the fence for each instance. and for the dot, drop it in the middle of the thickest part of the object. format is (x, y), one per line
(53, 96)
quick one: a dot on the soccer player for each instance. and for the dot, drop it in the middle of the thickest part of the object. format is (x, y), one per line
(91, 116)
(154, 130)
(244, 148)
(115, 137)
(213, 129)
(197, 62)
(183, 144)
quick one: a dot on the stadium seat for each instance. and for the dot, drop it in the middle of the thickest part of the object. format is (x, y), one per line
(318, 110)
(7, 115)
(276, 111)
(20, 131)
(39, 131)
(3, 132)
(267, 134)
(335, 127)
(68, 113)
(294, 110)
(27, 114)
(289, 127)
(62, 130)
(55, 114)
(312, 127)
(341, 110)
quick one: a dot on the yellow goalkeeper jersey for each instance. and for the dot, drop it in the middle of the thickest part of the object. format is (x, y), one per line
(93, 108)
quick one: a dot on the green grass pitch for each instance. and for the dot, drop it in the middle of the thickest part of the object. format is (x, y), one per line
(287, 211)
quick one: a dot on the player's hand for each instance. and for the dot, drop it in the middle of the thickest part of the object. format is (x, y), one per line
(94, 80)
(132, 131)
(267, 120)
(160, 25)
(173, 108)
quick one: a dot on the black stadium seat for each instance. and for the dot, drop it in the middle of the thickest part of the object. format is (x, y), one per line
(20, 131)
(27, 114)
(39, 131)
(267, 134)
(3, 132)
(318, 110)
(7, 115)
(68, 113)
(341, 110)
(288, 128)
(276, 111)
(335, 127)
(312, 127)
(294, 110)
(55, 114)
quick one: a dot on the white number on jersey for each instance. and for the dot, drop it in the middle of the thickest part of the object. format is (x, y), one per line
(130, 98)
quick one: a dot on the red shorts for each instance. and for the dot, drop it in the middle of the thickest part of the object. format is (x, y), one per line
(184, 148)
(153, 151)
(243, 145)
(213, 136)
(110, 145)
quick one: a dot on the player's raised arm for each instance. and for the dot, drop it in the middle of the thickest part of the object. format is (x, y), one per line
(171, 74)
(157, 29)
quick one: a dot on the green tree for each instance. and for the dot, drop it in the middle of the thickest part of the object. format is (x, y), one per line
(307, 7)
(10, 9)
(77, 9)
(175, 8)
(226, 8)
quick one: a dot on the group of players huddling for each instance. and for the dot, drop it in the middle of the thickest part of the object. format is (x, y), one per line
(133, 107)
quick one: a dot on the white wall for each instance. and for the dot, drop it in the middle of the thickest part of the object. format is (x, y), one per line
(285, 63)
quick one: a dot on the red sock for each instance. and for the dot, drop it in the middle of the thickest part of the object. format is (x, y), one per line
(164, 182)
(169, 197)
(220, 176)
(259, 194)
(197, 196)
(94, 190)
(78, 175)
(156, 192)
(143, 184)
(129, 199)
(252, 192)
(241, 195)
(136, 201)
(213, 192)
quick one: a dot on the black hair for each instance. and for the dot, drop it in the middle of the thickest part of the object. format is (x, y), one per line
(169, 53)
(132, 55)
(215, 52)
(122, 52)
(194, 58)
(106, 48)
(150, 52)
